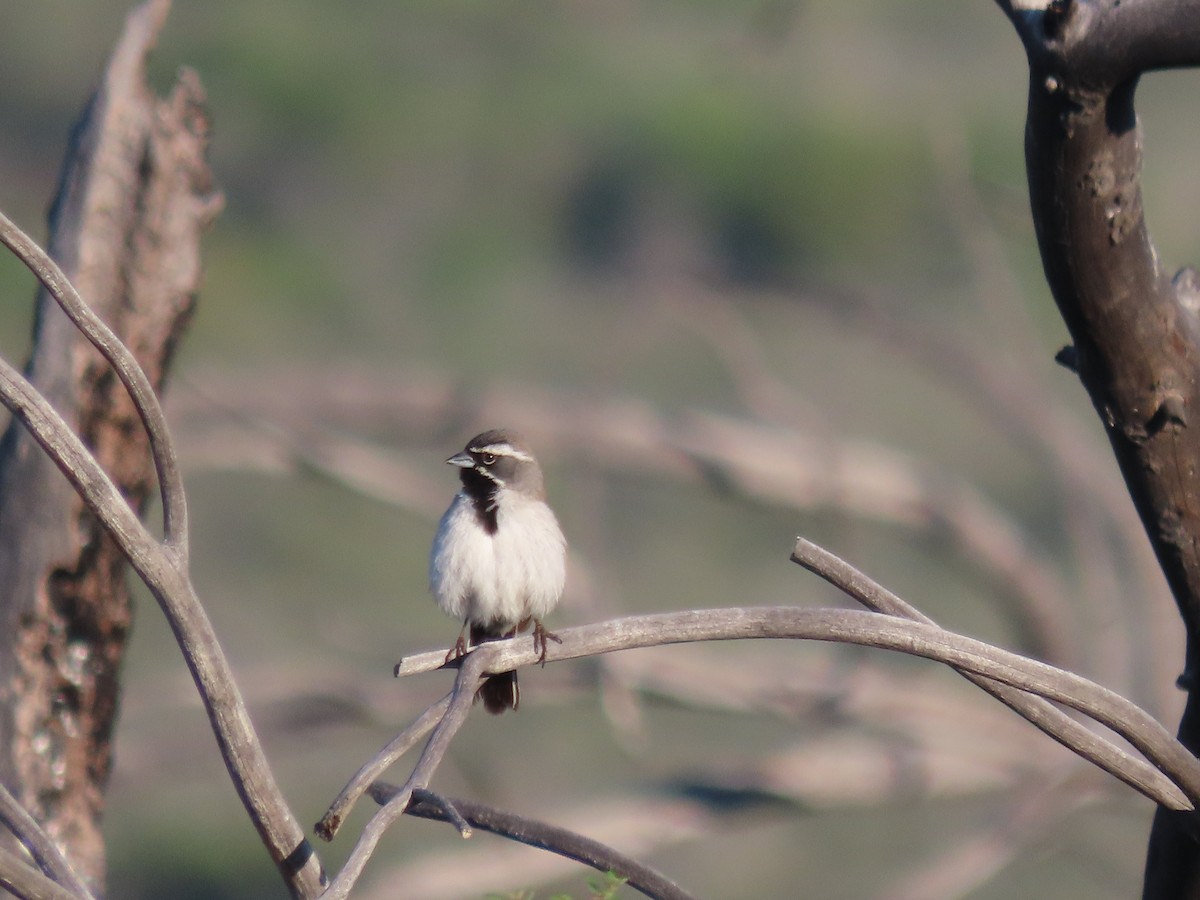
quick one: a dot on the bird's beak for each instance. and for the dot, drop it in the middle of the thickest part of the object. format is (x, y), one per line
(462, 459)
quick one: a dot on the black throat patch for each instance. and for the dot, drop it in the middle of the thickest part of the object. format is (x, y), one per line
(482, 492)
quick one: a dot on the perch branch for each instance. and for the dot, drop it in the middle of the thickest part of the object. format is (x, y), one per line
(873, 630)
(995, 667)
(860, 478)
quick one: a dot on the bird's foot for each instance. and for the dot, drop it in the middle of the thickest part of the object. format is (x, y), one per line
(540, 636)
(459, 650)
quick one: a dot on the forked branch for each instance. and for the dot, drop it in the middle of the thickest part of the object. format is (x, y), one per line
(163, 567)
(868, 629)
(1171, 776)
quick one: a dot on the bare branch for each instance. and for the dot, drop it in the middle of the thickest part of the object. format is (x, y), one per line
(127, 369)
(639, 824)
(91, 482)
(134, 197)
(163, 568)
(1103, 44)
(163, 572)
(1112, 759)
(28, 883)
(872, 630)
(443, 809)
(558, 840)
(1084, 154)
(39, 844)
(470, 676)
(328, 827)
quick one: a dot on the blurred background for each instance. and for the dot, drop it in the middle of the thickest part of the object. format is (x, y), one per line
(741, 271)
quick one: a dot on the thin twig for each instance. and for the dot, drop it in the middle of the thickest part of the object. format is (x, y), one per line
(545, 836)
(441, 808)
(39, 844)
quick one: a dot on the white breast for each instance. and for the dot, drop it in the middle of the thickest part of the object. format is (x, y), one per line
(502, 578)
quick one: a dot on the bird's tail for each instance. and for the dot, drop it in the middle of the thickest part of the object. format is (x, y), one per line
(500, 692)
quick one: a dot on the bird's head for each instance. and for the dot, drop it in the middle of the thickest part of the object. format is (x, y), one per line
(496, 459)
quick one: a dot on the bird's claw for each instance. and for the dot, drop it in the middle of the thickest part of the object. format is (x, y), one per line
(458, 651)
(540, 636)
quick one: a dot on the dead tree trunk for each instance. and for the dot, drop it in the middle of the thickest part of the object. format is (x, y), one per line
(135, 195)
(1136, 331)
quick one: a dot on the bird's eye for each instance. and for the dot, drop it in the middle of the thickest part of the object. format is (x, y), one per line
(488, 459)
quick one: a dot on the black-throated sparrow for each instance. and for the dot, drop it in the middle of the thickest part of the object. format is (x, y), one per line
(498, 561)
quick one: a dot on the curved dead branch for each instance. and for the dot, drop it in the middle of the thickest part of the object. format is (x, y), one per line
(40, 846)
(1136, 773)
(866, 629)
(1019, 682)
(539, 834)
(163, 567)
(28, 883)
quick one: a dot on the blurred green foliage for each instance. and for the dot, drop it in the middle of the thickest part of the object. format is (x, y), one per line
(501, 190)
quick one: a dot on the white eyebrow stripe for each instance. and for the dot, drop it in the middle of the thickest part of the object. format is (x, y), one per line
(503, 450)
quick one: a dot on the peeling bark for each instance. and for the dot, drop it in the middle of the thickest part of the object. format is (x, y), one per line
(134, 197)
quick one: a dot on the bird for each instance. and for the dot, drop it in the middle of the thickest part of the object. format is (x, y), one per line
(498, 561)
